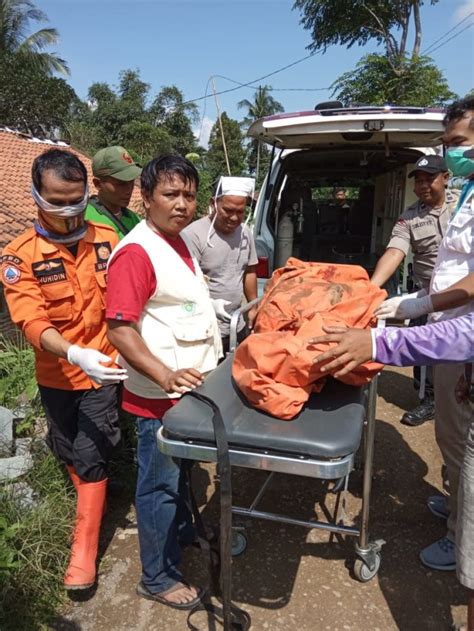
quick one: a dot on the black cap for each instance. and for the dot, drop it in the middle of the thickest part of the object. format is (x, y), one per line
(430, 164)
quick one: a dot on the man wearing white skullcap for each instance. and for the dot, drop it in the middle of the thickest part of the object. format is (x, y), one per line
(225, 250)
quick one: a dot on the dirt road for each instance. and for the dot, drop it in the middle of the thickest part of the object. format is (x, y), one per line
(292, 578)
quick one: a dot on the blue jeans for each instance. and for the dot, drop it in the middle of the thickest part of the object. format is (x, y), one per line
(162, 514)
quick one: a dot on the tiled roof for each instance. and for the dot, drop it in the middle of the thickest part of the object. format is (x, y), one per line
(17, 209)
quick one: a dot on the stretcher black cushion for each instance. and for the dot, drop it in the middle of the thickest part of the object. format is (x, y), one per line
(329, 426)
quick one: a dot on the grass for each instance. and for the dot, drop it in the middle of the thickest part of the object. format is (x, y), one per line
(18, 387)
(17, 370)
(34, 542)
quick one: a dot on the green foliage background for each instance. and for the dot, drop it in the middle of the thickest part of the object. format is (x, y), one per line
(418, 82)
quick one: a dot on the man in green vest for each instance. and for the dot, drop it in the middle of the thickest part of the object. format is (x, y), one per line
(114, 173)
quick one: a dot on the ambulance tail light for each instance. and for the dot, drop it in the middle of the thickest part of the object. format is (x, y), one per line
(263, 270)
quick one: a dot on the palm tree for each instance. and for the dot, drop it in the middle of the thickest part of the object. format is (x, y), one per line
(15, 19)
(263, 104)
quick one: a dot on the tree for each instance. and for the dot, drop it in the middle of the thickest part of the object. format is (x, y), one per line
(176, 117)
(111, 111)
(16, 17)
(123, 116)
(216, 162)
(395, 76)
(205, 190)
(263, 104)
(144, 141)
(374, 82)
(350, 22)
(32, 101)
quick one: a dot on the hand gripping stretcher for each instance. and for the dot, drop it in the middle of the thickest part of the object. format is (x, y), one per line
(321, 442)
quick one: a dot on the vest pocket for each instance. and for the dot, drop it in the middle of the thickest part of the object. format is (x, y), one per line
(58, 299)
(192, 329)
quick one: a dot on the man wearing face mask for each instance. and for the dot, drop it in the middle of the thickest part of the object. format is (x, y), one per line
(225, 250)
(421, 226)
(114, 172)
(454, 267)
(54, 280)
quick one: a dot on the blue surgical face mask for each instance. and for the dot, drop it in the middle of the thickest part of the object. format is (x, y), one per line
(457, 163)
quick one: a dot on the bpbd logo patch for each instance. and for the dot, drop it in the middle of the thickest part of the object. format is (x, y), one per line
(10, 274)
(102, 253)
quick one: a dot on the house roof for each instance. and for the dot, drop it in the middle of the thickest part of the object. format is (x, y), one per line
(17, 152)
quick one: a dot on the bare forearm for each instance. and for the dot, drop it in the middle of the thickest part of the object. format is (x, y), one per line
(52, 341)
(456, 295)
(131, 346)
(250, 284)
(386, 266)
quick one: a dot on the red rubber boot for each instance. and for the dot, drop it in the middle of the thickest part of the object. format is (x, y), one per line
(81, 572)
(76, 480)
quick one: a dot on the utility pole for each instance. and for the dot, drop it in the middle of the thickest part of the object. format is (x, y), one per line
(220, 125)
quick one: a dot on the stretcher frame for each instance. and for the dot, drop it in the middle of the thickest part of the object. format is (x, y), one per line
(368, 553)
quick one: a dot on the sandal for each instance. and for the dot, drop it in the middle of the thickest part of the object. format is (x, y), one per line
(160, 597)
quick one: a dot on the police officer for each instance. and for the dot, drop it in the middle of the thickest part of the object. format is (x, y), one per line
(54, 280)
(421, 226)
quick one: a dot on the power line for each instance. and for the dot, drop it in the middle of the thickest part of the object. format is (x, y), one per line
(244, 85)
(271, 89)
(298, 61)
(424, 52)
(249, 83)
(452, 37)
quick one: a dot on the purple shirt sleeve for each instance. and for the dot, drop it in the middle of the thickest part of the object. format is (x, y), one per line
(442, 342)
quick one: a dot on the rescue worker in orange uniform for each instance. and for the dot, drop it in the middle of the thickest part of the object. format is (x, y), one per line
(54, 279)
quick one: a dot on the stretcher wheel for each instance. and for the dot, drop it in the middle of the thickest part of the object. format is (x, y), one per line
(363, 573)
(239, 543)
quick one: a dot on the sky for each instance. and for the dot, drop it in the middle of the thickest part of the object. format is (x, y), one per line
(185, 42)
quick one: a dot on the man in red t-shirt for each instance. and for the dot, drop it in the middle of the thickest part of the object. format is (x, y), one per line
(157, 301)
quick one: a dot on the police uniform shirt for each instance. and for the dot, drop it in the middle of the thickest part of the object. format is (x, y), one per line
(423, 227)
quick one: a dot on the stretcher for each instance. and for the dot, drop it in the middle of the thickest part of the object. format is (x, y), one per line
(321, 442)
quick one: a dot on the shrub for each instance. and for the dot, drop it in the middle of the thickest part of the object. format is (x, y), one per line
(34, 546)
(17, 373)
(18, 385)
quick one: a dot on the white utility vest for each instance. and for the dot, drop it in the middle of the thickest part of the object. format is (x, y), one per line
(455, 258)
(178, 323)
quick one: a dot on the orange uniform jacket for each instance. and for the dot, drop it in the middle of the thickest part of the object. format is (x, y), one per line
(47, 287)
(274, 366)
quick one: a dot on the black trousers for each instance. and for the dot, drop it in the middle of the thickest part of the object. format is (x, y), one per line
(83, 427)
(429, 388)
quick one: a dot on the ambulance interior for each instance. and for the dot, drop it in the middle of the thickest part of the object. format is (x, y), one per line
(355, 231)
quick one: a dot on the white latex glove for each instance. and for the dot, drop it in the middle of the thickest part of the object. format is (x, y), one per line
(405, 307)
(219, 305)
(91, 362)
